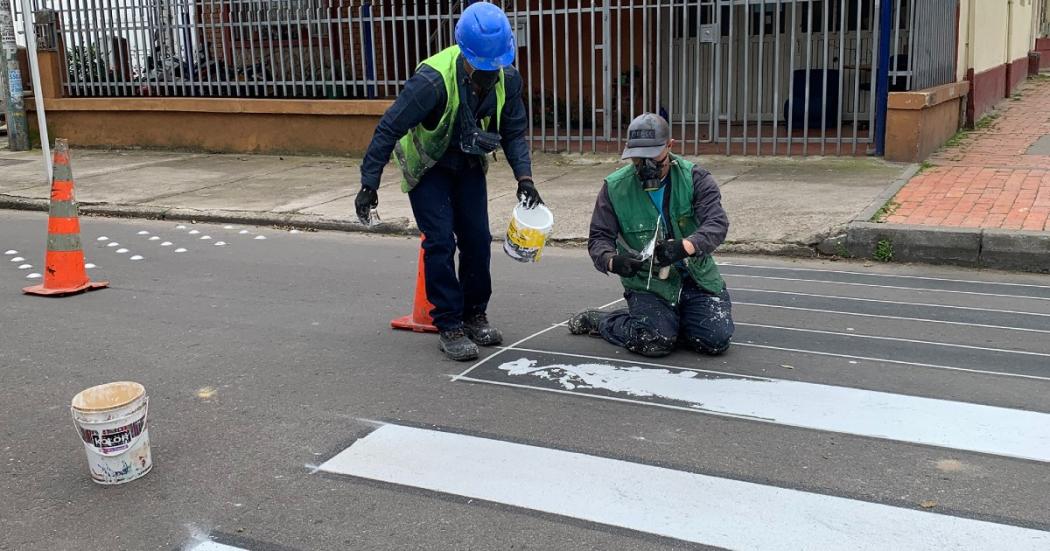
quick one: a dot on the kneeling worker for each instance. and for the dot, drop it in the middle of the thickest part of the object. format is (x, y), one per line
(677, 296)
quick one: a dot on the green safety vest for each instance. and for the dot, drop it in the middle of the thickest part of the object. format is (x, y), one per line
(419, 150)
(639, 220)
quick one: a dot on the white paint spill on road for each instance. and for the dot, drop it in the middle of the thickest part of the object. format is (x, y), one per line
(18, 259)
(227, 227)
(180, 250)
(102, 238)
(25, 266)
(33, 276)
(166, 244)
(205, 238)
(154, 238)
(143, 232)
(113, 244)
(220, 243)
(180, 227)
(957, 425)
(136, 257)
(121, 251)
(194, 232)
(214, 546)
(10, 252)
(714, 511)
(243, 232)
(89, 266)
(294, 231)
(258, 237)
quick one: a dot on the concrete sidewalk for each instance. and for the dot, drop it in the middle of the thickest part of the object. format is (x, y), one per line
(776, 205)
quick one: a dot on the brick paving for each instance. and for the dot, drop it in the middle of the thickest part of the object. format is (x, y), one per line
(988, 180)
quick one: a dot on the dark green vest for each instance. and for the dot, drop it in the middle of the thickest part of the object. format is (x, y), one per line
(639, 220)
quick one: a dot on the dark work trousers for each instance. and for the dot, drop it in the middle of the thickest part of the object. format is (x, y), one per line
(650, 326)
(451, 209)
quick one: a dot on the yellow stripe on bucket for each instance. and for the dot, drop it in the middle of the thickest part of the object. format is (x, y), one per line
(528, 232)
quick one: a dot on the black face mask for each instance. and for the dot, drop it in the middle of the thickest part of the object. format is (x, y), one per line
(648, 172)
(484, 80)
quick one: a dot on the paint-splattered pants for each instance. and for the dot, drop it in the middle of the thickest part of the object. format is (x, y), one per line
(451, 209)
(652, 327)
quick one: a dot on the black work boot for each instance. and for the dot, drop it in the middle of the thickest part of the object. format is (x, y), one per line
(457, 346)
(586, 322)
(478, 329)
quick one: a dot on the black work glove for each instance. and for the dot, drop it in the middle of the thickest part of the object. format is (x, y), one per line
(527, 193)
(670, 252)
(367, 199)
(625, 266)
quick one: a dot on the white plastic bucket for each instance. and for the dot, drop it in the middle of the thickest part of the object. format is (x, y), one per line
(528, 233)
(111, 421)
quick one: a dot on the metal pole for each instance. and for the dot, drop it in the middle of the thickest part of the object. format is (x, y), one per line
(885, 12)
(34, 70)
(11, 88)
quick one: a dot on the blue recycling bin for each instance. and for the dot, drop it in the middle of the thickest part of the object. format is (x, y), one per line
(819, 103)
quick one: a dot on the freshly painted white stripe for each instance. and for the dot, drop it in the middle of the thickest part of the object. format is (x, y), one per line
(214, 546)
(924, 278)
(889, 361)
(896, 339)
(897, 287)
(656, 500)
(957, 425)
(530, 337)
(895, 302)
(886, 317)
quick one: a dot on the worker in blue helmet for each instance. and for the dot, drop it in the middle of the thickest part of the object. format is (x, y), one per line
(460, 106)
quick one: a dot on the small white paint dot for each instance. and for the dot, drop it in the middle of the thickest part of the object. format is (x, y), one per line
(33, 276)
(11, 252)
(137, 257)
(121, 251)
(113, 244)
(294, 231)
(143, 232)
(205, 237)
(154, 238)
(102, 238)
(850, 329)
(220, 243)
(180, 250)
(852, 362)
(166, 244)
(89, 266)
(18, 259)
(194, 232)
(260, 237)
(180, 227)
(227, 227)
(242, 232)
(25, 266)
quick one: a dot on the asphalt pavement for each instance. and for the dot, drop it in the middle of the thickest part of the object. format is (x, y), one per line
(861, 406)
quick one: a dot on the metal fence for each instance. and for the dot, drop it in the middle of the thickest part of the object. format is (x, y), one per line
(736, 76)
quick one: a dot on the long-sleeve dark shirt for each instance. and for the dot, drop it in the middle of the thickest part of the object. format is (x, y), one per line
(711, 218)
(423, 100)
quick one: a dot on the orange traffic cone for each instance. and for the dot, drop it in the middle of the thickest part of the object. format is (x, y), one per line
(64, 262)
(419, 320)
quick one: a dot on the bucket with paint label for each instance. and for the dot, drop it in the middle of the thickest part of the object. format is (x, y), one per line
(528, 233)
(111, 421)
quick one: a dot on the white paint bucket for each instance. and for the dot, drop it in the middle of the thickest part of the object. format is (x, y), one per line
(528, 232)
(111, 421)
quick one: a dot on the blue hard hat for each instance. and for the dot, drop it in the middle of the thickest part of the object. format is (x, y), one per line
(485, 37)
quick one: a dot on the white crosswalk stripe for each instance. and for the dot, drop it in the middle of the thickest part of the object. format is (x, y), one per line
(656, 500)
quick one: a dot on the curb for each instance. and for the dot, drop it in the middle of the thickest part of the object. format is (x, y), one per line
(1027, 251)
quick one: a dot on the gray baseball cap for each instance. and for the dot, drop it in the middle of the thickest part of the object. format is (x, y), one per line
(647, 136)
